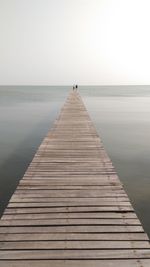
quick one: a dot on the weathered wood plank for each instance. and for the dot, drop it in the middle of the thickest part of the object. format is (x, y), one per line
(45, 198)
(73, 229)
(69, 204)
(76, 244)
(67, 214)
(77, 263)
(76, 254)
(74, 236)
(68, 221)
(69, 193)
(29, 210)
(41, 186)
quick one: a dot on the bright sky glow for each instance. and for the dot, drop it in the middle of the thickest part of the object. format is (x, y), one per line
(67, 41)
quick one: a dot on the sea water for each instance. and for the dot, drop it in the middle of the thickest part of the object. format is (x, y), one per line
(121, 115)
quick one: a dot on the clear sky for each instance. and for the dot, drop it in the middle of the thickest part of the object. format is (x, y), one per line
(74, 41)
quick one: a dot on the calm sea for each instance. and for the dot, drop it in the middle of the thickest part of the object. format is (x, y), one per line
(121, 115)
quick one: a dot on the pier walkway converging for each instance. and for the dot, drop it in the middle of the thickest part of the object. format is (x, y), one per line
(70, 208)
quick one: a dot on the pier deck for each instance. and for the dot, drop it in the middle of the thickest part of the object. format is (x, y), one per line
(70, 208)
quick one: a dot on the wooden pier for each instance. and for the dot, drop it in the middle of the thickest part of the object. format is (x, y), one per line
(70, 208)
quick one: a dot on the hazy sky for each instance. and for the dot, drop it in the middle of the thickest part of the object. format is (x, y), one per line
(74, 41)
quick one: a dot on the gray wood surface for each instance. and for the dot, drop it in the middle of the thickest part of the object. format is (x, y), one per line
(76, 263)
(70, 208)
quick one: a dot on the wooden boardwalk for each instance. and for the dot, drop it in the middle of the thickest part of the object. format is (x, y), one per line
(70, 209)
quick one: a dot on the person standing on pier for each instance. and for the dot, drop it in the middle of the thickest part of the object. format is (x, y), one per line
(75, 87)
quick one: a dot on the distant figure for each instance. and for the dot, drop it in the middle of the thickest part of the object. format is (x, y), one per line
(75, 87)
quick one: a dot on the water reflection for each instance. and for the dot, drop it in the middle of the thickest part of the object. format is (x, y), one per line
(124, 125)
(26, 114)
